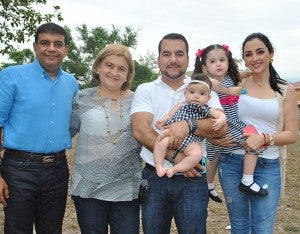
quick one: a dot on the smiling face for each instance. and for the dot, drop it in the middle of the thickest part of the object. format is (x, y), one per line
(50, 50)
(216, 63)
(173, 59)
(113, 72)
(257, 56)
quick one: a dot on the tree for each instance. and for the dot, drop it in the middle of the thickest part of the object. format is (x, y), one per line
(143, 73)
(95, 39)
(75, 63)
(91, 41)
(19, 57)
(149, 60)
(84, 50)
(19, 20)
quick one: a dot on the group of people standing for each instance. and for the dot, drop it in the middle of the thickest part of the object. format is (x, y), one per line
(41, 108)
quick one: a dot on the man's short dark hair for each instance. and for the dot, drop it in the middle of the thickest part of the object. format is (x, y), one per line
(51, 28)
(174, 36)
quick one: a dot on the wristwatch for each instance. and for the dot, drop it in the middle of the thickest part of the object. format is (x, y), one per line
(271, 140)
(193, 125)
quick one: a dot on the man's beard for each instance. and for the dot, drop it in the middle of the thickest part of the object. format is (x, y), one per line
(172, 77)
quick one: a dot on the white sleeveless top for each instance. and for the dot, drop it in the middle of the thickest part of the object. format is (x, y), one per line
(264, 115)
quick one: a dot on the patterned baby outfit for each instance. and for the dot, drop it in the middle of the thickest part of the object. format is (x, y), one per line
(186, 112)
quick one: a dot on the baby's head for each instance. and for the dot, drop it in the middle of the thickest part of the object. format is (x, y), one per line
(198, 89)
(201, 78)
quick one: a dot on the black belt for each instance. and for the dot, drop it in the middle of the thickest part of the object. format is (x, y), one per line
(38, 157)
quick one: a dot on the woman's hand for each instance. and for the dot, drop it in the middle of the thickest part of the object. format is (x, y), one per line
(253, 141)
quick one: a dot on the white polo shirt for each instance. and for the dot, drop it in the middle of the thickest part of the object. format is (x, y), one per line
(158, 98)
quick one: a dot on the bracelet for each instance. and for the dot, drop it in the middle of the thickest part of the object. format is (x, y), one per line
(264, 146)
(192, 124)
(265, 139)
(271, 139)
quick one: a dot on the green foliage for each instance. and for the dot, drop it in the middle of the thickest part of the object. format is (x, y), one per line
(92, 40)
(75, 63)
(19, 57)
(143, 73)
(19, 20)
(149, 60)
(84, 50)
(90, 84)
(97, 38)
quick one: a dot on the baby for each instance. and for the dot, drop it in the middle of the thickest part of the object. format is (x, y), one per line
(197, 94)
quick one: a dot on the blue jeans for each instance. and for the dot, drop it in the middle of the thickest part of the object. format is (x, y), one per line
(182, 198)
(95, 215)
(250, 213)
(37, 194)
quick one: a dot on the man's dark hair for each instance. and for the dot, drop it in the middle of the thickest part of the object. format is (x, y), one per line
(174, 36)
(51, 28)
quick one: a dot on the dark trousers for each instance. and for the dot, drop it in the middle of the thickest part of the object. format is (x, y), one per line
(94, 216)
(37, 195)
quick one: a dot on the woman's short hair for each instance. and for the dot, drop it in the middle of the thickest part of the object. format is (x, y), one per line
(118, 50)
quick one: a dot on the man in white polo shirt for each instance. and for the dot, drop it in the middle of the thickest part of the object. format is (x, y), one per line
(183, 196)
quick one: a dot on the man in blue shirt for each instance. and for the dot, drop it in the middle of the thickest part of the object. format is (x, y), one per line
(35, 108)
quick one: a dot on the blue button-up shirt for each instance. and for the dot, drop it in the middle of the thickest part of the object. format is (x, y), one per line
(34, 109)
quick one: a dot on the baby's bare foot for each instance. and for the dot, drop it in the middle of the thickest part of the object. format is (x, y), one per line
(170, 172)
(160, 171)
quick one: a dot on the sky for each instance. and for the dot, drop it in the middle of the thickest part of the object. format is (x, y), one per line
(202, 22)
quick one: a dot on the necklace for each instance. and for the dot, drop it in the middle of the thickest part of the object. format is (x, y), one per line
(261, 83)
(108, 129)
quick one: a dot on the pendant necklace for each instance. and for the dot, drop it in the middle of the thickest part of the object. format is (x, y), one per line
(261, 83)
(108, 129)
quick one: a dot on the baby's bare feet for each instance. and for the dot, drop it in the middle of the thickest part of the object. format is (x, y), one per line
(160, 171)
(170, 172)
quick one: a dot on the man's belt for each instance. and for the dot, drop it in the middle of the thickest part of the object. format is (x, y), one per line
(37, 157)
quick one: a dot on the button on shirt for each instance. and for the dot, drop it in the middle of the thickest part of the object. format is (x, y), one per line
(34, 109)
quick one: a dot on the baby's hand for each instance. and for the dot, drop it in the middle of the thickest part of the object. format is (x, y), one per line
(235, 91)
(218, 123)
(159, 124)
(245, 74)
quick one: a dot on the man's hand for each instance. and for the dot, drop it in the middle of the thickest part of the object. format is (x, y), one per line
(194, 172)
(226, 141)
(4, 194)
(177, 132)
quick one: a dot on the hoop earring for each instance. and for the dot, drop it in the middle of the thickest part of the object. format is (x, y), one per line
(271, 60)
